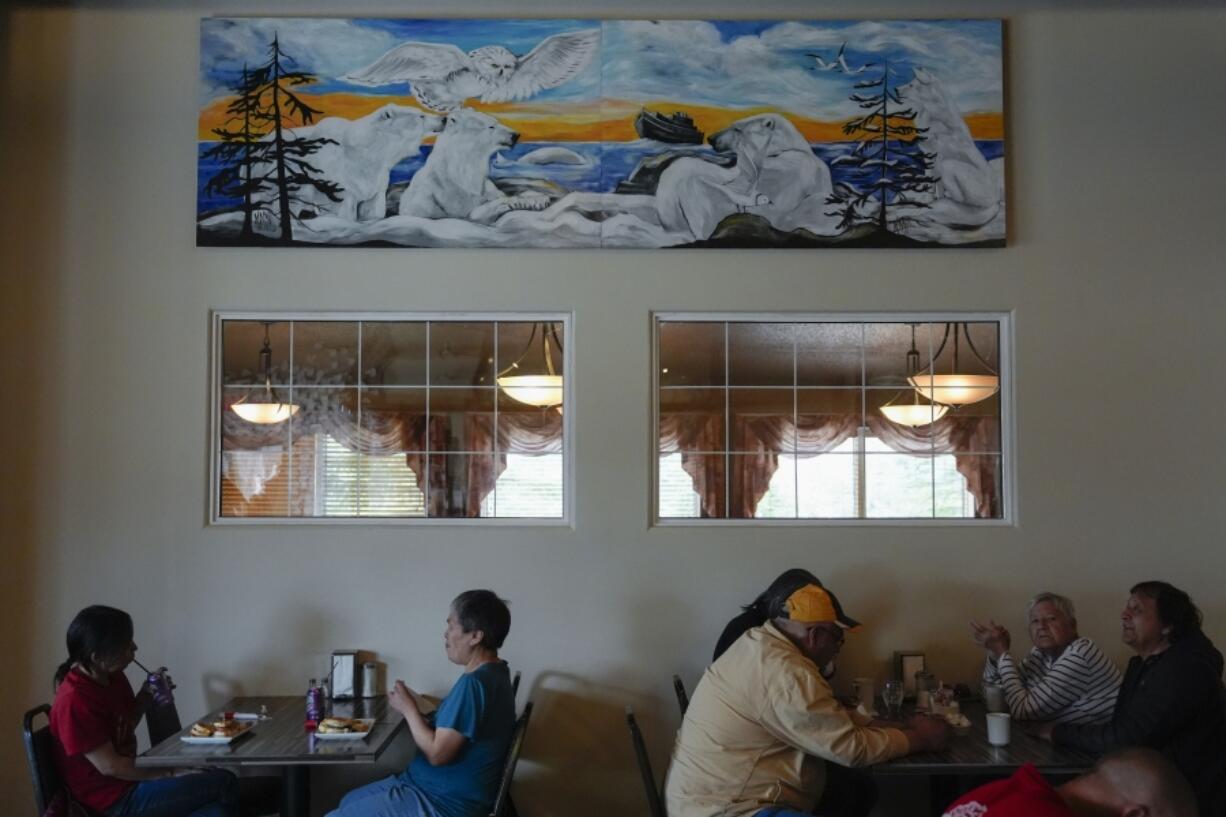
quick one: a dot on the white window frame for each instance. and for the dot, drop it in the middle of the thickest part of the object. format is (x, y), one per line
(1008, 453)
(568, 445)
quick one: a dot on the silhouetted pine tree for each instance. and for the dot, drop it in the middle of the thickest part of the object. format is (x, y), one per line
(889, 156)
(261, 153)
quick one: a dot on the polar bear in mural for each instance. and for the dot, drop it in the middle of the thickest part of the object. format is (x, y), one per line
(360, 161)
(455, 180)
(776, 176)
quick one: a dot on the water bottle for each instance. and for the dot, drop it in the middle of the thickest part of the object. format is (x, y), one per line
(314, 702)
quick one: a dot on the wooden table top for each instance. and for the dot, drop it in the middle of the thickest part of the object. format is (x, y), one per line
(972, 754)
(282, 740)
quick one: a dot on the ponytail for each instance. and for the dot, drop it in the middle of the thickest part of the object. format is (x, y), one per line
(62, 672)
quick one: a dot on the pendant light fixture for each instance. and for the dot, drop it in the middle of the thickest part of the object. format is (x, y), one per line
(956, 388)
(915, 413)
(542, 389)
(261, 405)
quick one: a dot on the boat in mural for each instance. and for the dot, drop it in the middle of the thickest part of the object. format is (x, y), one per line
(582, 133)
(676, 128)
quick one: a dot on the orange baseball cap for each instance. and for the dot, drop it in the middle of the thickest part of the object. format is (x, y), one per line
(814, 605)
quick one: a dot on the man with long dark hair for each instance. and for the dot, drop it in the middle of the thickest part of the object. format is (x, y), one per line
(1172, 698)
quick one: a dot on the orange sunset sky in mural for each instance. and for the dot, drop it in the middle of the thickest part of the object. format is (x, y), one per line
(611, 121)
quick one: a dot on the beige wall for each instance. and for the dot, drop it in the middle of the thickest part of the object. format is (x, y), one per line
(1114, 270)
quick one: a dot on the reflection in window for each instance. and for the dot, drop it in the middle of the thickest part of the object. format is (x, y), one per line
(391, 419)
(785, 420)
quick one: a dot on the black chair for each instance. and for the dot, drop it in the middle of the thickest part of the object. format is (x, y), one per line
(40, 754)
(683, 700)
(515, 685)
(503, 807)
(655, 803)
(162, 721)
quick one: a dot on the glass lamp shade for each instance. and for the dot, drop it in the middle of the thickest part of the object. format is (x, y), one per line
(955, 389)
(264, 413)
(914, 414)
(533, 389)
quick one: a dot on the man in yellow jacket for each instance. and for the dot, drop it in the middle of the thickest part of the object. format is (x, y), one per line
(763, 722)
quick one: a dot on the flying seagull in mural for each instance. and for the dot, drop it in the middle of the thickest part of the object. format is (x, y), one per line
(839, 63)
(443, 77)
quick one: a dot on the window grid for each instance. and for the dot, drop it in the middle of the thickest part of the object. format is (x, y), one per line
(359, 387)
(1001, 455)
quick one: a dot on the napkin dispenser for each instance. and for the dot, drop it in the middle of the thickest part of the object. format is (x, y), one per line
(344, 675)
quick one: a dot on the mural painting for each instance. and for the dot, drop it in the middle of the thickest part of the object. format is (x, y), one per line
(589, 133)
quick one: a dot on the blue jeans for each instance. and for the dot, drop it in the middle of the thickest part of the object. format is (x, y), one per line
(211, 793)
(774, 811)
(390, 797)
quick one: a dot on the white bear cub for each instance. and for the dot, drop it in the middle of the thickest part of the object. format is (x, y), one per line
(455, 180)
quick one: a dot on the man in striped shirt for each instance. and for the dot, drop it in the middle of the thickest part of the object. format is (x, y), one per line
(1064, 678)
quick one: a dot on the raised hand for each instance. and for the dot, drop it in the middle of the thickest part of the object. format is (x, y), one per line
(991, 636)
(401, 699)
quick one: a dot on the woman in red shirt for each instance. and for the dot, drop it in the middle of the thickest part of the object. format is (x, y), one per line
(93, 721)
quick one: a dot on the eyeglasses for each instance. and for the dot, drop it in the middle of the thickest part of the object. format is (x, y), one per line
(836, 633)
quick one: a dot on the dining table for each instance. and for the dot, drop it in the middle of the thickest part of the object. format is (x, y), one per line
(971, 756)
(278, 737)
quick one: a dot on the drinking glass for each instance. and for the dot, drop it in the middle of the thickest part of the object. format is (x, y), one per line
(892, 695)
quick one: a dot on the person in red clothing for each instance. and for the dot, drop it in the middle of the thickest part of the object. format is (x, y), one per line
(1128, 783)
(93, 723)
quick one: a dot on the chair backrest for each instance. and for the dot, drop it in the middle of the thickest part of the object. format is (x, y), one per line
(40, 754)
(508, 768)
(655, 803)
(515, 685)
(162, 721)
(683, 700)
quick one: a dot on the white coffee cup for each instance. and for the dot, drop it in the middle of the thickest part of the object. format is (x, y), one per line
(998, 728)
(866, 692)
(994, 698)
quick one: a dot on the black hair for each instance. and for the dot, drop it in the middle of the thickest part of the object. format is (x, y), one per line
(770, 602)
(1175, 608)
(483, 610)
(97, 631)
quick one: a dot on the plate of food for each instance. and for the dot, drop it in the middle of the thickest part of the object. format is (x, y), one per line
(344, 728)
(217, 732)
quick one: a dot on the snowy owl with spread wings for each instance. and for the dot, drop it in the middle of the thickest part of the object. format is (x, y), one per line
(443, 77)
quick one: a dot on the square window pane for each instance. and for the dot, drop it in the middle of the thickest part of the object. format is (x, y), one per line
(762, 418)
(254, 481)
(388, 485)
(530, 350)
(528, 429)
(829, 354)
(826, 484)
(675, 490)
(898, 486)
(393, 420)
(763, 486)
(912, 426)
(459, 484)
(461, 354)
(530, 486)
(241, 342)
(760, 354)
(691, 354)
(976, 427)
(325, 353)
(969, 485)
(691, 486)
(828, 409)
(461, 420)
(886, 349)
(692, 420)
(394, 353)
